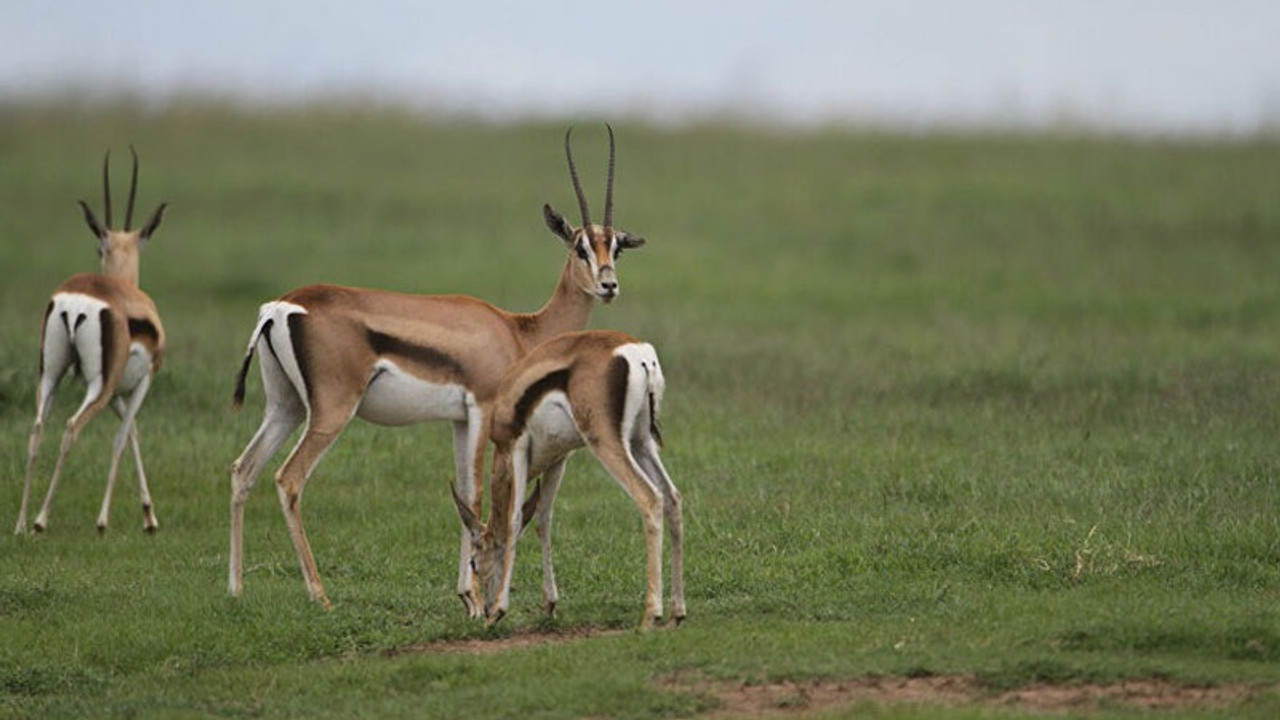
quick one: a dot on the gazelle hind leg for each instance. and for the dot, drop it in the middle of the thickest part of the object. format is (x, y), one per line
(55, 366)
(285, 410)
(127, 412)
(93, 403)
(615, 458)
(647, 456)
(546, 504)
(278, 423)
(291, 480)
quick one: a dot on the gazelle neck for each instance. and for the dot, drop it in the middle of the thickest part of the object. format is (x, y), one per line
(568, 309)
(124, 268)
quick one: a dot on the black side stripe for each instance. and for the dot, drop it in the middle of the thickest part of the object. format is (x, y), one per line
(143, 327)
(549, 383)
(384, 344)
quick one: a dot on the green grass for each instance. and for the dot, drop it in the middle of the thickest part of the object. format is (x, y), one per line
(1005, 406)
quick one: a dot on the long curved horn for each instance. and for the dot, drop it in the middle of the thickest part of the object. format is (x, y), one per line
(608, 193)
(577, 184)
(133, 190)
(106, 186)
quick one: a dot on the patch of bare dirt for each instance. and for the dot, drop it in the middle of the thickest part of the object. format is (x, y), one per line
(797, 699)
(789, 699)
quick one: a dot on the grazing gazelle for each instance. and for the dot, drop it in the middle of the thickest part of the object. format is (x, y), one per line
(329, 353)
(108, 330)
(601, 389)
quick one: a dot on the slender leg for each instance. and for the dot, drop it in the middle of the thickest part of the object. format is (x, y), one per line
(290, 482)
(615, 458)
(44, 404)
(510, 480)
(55, 358)
(283, 413)
(93, 403)
(149, 522)
(468, 449)
(550, 486)
(647, 455)
(128, 412)
(278, 423)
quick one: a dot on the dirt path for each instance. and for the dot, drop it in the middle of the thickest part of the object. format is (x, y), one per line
(799, 699)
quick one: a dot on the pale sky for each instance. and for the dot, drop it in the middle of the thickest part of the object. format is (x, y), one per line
(1144, 65)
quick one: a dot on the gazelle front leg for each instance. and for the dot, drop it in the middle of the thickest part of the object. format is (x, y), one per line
(149, 522)
(128, 433)
(545, 504)
(468, 449)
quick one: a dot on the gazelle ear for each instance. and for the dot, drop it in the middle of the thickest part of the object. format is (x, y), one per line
(465, 513)
(627, 240)
(557, 224)
(92, 221)
(153, 223)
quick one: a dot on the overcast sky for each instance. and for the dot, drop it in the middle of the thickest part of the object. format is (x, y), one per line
(1163, 65)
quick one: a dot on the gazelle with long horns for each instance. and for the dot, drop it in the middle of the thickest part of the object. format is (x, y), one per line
(108, 330)
(328, 353)
(599, 389)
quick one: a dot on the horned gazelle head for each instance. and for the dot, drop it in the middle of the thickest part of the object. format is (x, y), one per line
(596, 246)
(118, 249)
(489, 544)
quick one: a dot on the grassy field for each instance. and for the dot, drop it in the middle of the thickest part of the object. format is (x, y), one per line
(1001, 409)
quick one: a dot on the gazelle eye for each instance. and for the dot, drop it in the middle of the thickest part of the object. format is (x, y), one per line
(581, 250)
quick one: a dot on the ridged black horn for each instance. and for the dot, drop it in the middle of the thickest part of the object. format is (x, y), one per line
(133, 191)
(577, 184)
(608, 193)
(106, 186)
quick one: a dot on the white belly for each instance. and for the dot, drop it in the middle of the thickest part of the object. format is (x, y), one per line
(551, 431)
(394, 397)
(136, 367)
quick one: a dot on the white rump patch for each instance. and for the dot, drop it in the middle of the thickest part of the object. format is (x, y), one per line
(75, 337)
(645, 378)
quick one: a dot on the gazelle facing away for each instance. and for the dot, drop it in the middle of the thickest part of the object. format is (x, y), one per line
(329, 353)
(108, 330)
(601, 389)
